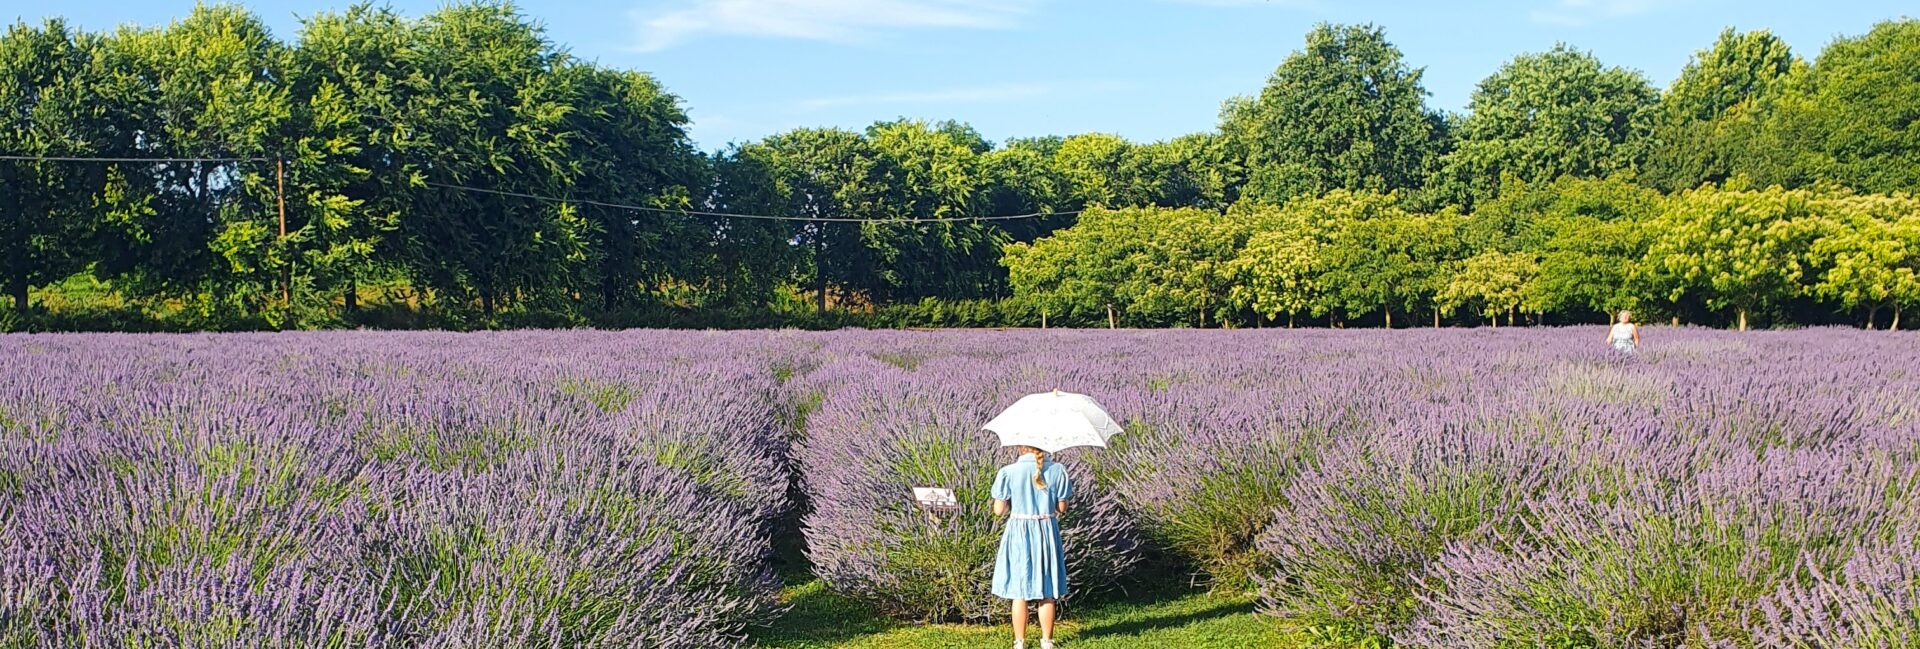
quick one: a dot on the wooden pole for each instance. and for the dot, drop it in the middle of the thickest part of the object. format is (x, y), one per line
(286, 280)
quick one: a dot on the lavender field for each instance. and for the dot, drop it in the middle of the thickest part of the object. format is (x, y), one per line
(1447, 488)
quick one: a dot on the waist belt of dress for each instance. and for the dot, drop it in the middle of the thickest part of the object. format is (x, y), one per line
(1031, 517)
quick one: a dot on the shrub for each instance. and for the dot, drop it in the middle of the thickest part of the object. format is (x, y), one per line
(875, 439)
(1359, 530)
(384, 490)
(1872, 601)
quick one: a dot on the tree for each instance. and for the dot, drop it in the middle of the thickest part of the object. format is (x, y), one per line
(1278, 270)
(1190, 171)
(1345, 112)
(751, 258)
(830, 174)
(1739, 250)
(1490, 282)
(47, 98)
(1587, 235)
(1543, 116)
(1019, 178)
(630, 146)
(494, 109)
(211, 87)
(348, 165)
(1377, 256)
(935, 175)
(1102, 169)
(1850, 118)
(1705, 117)
(1155, 265)
(1867, 254)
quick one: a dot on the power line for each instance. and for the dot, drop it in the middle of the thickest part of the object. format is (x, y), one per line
(551, 199)
(29, 158)
(764, 217)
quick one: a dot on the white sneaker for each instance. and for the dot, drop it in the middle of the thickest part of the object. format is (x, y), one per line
(1046, 644)
(1019, 644)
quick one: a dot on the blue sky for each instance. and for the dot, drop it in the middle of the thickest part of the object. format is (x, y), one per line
(1144, 69)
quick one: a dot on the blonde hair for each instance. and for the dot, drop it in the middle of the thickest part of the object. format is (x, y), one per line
(1039, 466)
(1625, 315)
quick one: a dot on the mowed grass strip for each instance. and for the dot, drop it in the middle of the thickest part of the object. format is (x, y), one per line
(822, 619)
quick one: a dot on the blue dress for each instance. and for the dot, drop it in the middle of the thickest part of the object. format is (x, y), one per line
(1032, 564)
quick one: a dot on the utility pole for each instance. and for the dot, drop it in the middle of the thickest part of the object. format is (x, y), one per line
(286, 278)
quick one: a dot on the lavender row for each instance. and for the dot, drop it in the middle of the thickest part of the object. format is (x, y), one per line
(385, 490)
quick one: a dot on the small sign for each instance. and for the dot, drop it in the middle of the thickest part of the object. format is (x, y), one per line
(934, 499)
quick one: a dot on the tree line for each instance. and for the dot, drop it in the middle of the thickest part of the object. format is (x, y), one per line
(411, 158)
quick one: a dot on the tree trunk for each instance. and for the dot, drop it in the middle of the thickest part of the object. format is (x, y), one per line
(1510, 310)
(819, 272)
(1896, 319)
(1436, 318)
(1743, 319)
(1289, 320)
(17, 287)
(1111, 322)
(352, 296)
(486, 302)
(1872, 312)
(1043, 318)
(1389, 313)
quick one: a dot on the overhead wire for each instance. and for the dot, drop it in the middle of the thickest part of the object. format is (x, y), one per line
(768, 217)
(28, 158)
(581, 201)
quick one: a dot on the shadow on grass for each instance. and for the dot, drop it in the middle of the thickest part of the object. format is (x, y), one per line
(1167, 622)
(820, 617)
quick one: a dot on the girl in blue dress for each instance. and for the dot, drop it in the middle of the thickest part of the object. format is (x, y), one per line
(1032, 565)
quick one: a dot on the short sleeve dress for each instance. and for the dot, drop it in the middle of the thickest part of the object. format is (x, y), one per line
(1032, 564)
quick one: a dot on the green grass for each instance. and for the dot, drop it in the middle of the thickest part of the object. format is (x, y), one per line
(1191, 620)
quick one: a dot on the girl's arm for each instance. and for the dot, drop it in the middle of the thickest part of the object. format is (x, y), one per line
(999, 508)
(1062, 507)
(1636, 335)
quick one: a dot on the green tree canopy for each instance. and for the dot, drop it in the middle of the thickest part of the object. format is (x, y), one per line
(50, 108)
(1489, 283)
(1738, 250)
(1705, 120)
(211, 86)
(1345, 112)
(1542, 116)
(1851, 119)
(1155, 266)
(1867, 254)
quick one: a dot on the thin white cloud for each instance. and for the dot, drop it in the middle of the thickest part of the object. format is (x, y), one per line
(1575, 13)
(821, 20)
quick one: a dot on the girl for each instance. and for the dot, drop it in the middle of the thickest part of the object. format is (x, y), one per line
(1624, 336)
(1032, 565)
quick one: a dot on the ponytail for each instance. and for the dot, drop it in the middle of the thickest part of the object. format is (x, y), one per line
(1039, 469)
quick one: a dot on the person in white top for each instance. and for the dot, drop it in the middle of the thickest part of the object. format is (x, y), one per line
(1625, 335)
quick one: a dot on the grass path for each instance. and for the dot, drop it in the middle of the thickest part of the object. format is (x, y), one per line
(821, 619)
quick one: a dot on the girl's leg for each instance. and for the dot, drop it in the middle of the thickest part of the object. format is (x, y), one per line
(1046, 620)
(1020, 620)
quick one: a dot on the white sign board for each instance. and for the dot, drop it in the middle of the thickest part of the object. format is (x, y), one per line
(935, 499)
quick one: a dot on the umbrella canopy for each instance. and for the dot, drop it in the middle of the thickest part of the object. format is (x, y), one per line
(1051, 421)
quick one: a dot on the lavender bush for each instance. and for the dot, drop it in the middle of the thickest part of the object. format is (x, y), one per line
(878, 437)
(370, 490)
(1446, 488)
